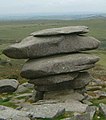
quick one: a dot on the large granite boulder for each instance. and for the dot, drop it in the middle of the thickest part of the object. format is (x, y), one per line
(79, 82)
(35, 47)
(61, 31)
(8, 85)
(57, 64)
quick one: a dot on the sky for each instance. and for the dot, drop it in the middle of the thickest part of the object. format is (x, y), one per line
(9, 7)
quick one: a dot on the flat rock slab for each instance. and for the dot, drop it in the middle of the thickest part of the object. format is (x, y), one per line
(23, 95)
(8, 85)
(48, 111)
(61, 31)
(9, 113)
(74, 106)
(81, 81)
(54, 65)
(53, 109)
(49, 80)
(35, 47)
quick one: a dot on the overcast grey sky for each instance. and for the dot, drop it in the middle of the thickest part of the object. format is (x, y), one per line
(51, 6)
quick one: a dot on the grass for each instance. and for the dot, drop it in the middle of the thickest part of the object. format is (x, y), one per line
(6, 102)
(96, 102)
(99, 116)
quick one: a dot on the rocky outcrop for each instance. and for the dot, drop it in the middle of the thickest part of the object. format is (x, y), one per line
(56, 66)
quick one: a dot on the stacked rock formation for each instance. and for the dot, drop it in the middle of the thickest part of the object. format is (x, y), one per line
(56, 58)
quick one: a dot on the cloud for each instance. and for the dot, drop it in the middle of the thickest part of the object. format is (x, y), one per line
(51, 6)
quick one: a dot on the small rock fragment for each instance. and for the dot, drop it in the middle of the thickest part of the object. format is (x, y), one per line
(8, 85)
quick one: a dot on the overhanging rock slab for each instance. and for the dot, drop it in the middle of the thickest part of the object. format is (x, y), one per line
(35, 47)
(61, 31)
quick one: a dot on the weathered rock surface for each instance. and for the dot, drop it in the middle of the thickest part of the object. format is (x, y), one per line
(34, 47)
(21, 89)
(63, 95)
(20, 118)
(49, 80)
(57, 65)
(48, 111)
(8, 85)
(69, 106)
(9, 113)
(74, 106)
(61, 31)
(102, 108)
(80, 82)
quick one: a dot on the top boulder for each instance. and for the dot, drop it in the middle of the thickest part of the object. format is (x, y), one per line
(61, 31)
